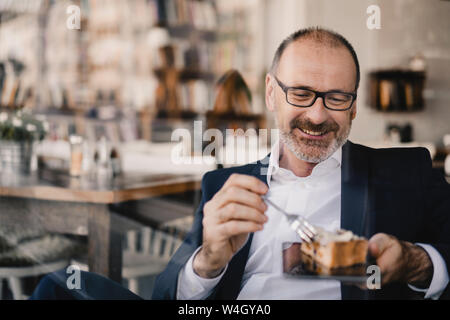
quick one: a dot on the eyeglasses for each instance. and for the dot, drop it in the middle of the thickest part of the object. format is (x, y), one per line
(304, 98)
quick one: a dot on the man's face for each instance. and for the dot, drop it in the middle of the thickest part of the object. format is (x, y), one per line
(309, 64)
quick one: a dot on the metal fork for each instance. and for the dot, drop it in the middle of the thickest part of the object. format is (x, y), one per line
(300, 225)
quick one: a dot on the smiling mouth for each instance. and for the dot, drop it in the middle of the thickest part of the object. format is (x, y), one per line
(313, 133)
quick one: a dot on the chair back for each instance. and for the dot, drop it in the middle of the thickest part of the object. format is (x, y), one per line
(157, 243)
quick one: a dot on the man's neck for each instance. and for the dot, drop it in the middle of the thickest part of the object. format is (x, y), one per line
(299, 167)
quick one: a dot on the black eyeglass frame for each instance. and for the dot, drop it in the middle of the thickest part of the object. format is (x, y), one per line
(317, 94)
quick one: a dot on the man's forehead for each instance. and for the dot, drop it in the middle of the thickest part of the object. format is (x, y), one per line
(310, 63)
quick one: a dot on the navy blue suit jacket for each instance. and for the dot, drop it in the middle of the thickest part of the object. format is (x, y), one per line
(394, 191)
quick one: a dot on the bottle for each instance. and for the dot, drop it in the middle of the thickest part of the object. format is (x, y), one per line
(76, 155)
(87, 165)
(115, 162)
(104, 168)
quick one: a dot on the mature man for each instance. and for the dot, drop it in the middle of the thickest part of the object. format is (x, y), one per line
(234, 249)
(391, 195)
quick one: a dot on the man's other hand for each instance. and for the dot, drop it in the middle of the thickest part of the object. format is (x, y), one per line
(401, 261)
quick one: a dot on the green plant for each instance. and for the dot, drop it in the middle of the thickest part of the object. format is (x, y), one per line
(22, 126)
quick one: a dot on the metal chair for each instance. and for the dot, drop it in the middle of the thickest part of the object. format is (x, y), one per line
(146, 252)
(15, 275)
(35, 257)
(151, 258)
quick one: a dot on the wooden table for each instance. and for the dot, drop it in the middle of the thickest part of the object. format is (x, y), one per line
(82, 206)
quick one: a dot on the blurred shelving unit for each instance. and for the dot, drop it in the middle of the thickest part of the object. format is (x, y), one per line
(142, 66)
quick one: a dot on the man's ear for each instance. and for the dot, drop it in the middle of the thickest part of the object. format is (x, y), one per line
(353, 114)
(270, 93)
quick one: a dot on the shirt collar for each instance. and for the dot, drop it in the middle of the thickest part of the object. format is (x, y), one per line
(323, 167)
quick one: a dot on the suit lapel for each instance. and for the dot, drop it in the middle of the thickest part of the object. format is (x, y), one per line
(354, 200)
(261, 168)
(354, 189)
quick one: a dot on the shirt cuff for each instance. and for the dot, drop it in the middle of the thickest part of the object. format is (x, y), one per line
(193, 287)
(440, 274)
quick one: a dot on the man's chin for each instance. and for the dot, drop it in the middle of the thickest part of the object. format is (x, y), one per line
(314, 150)
(313, 156)
(310, 150)
(308, 153)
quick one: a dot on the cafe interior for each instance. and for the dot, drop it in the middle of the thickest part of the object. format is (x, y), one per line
(104, 106)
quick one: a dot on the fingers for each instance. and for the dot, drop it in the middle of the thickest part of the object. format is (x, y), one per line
(379, 243)
(241, 196)
(387, 251)
(246, 182)
(235, 227)
(235, 211)
(242, 189)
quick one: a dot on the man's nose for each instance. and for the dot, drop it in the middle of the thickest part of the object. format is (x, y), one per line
(317, 113)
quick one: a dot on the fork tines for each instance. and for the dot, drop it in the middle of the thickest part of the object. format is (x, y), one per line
(302, 227)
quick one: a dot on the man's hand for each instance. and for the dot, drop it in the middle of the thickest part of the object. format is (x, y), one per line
(236, 210)
(401, 261)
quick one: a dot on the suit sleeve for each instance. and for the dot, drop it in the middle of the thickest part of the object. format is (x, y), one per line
(436, 193)
(166, 283)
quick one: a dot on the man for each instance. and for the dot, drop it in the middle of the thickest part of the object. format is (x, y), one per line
(390, 195)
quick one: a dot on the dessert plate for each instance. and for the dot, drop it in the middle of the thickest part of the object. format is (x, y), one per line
(297, 264)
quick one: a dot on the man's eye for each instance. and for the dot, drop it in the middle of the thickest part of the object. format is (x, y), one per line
(302, 94)
(336, 99)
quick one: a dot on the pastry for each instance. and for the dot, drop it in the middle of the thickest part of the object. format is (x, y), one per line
(338, 249)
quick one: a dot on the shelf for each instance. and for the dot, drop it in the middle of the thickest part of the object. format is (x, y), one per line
(188, 74)
(186, 31)
(399, 111)
(235, 116)
(182, 115)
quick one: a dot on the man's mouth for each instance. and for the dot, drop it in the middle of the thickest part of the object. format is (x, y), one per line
(313, 133)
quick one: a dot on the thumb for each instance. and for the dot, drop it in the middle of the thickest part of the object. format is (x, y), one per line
(378, 243)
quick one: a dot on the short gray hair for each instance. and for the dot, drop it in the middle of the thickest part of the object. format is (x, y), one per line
(320, 35)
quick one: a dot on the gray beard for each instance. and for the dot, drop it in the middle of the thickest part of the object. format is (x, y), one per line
(293, 144)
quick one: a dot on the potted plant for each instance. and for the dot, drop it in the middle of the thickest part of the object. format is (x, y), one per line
(18, 132)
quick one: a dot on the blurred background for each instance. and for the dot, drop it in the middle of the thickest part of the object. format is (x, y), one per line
(91, 92)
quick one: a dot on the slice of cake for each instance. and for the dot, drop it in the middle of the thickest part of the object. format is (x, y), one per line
(338, 249)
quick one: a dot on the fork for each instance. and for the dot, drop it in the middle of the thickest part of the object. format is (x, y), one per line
(300, 225)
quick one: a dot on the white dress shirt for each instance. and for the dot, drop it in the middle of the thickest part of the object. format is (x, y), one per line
(318, 198)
